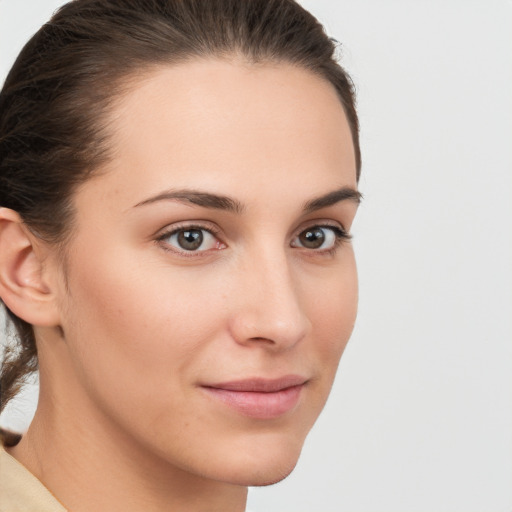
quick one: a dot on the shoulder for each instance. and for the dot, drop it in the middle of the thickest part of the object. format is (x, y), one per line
(21, 491)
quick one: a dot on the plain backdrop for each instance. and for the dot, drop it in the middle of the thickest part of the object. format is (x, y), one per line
(420, 417)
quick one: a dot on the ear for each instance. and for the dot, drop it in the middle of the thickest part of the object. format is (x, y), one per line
(23, 285)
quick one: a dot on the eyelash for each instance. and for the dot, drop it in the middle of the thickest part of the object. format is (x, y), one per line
(340, 235)
(186, 227)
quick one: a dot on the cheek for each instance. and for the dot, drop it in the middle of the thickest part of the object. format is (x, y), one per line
(333, 311)
(136, 329)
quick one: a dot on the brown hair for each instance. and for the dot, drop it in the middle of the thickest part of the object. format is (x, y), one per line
(55, 100)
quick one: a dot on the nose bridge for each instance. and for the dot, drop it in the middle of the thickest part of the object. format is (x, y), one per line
(270, 308)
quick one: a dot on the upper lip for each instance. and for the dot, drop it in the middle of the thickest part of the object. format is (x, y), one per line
(260, 385)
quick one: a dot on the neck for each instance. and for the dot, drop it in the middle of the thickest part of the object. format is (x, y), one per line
(91, 465)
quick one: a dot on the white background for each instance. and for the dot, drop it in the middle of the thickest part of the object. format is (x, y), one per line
(420, 418)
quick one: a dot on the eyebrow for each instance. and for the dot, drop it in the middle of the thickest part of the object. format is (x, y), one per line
(221, 202)
(204, 199)
(331, 198)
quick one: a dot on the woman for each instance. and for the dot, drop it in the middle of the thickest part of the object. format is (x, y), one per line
(178, 180)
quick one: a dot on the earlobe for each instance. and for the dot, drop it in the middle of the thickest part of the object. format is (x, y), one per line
(22, 284)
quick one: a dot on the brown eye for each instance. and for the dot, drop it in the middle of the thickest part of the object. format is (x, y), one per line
(319, 237)
(190, 240)
(312, 238)
(193, 239)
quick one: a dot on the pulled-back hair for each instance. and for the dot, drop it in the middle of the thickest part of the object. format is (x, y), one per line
(55, 102)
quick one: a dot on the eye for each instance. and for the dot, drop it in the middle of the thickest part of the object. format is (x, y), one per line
(191, 239)
(320, 238)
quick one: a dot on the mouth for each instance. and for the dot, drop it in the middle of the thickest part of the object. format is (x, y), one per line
(259, 398)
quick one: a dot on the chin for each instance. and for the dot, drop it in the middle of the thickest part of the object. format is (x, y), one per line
(261, 477)
(262, 466)
(272, 477)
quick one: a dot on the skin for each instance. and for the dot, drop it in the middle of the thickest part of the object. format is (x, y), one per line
(134, 327)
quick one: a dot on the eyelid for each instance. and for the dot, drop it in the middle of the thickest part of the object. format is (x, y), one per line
(340, 233)
(170, 230)
(324, 223)
(188, 224)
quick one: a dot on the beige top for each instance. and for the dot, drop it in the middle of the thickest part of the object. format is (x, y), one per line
(21, 491)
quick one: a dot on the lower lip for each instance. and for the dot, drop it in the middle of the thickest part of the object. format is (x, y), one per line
(259, 405)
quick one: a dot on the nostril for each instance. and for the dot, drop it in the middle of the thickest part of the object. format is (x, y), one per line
(270, 309)
(259, 339)
(261, 328)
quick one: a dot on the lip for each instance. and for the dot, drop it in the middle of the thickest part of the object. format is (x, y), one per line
(258, 397)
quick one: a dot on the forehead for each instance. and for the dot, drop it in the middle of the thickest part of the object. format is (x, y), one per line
(231, 124)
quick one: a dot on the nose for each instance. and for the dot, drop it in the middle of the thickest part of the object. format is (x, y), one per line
(269, 307)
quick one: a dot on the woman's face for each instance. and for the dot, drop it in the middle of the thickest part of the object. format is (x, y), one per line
(210, 287)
